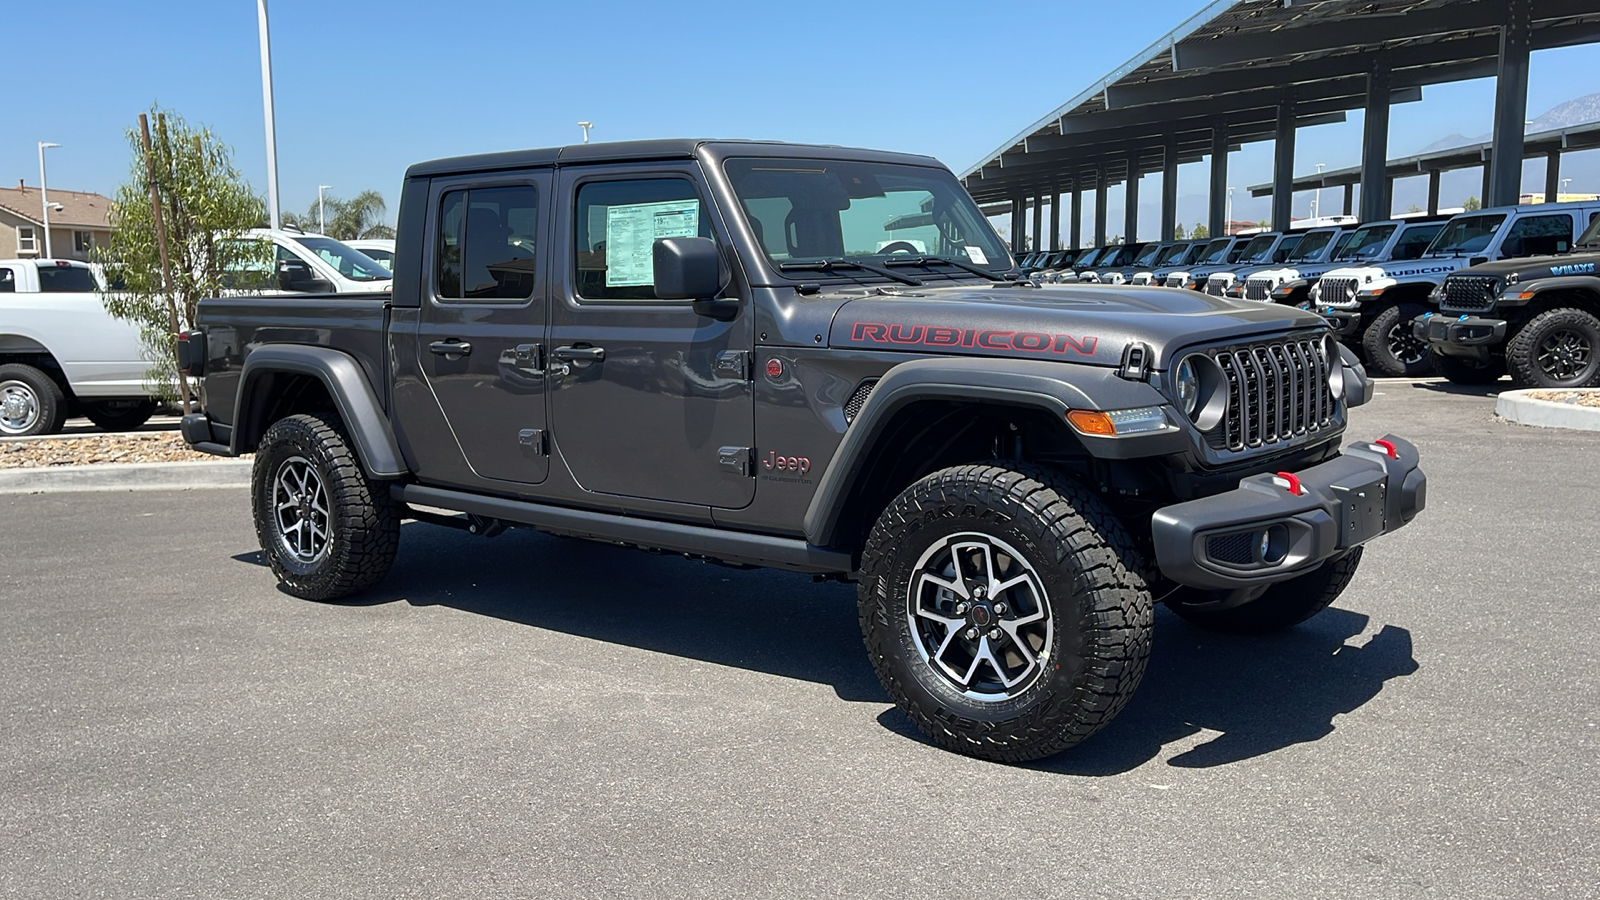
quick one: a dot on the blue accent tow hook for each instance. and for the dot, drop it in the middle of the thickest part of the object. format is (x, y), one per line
(1463, 318)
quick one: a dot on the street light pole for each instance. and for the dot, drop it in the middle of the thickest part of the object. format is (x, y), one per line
(44, 196)
(1316, 202)
(266, 103)
(1227, 223)
(586, 126)
(322, 219)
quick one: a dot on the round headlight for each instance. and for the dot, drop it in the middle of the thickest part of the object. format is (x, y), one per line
(1186, 383)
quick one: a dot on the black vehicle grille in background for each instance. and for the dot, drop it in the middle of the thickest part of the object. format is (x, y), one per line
(1469, 293)
(1215, 287)
(1174, 281)
(1337, 291)
(852, 407)
(1277, 391)
(1237, 548)
(1258, 289)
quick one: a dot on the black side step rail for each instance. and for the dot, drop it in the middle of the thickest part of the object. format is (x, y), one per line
(792, 554)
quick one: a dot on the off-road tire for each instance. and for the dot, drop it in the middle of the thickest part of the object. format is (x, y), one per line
(1375, 342)
(1088, 574)
(1470, 371)
(1283, 605)
(1525, 347)
(119, 415)
(363, 522)
(48, 410)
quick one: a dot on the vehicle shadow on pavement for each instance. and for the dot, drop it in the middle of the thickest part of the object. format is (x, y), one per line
(1464, 390)
(763, 620)
(1261, 693)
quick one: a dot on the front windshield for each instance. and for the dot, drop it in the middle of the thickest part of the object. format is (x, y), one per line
(1311, 243)
(1217, 250)
(1171, 253)
(1259, 248)
(816, 209)
(1192, 254)
(1148, 257)
(1591, 235)
(351, 263)
(1118, 256)
(1466, 234)
(1086, 257)
(1367, 242)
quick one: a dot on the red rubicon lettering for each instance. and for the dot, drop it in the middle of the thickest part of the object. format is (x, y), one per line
(940, 336)
(869, 331)
(1084, 346)
(995, 340)
(902, 335)
(987, 339)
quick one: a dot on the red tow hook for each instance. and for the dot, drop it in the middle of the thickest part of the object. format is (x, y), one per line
(1387, 447)
(1290, 482)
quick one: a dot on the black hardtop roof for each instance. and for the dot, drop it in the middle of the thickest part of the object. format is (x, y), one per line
(668, 148)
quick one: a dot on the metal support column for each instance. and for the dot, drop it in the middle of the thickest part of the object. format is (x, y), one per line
(1016, 224)
(1488, 182)
(1055, 219)
(1283, 168)
(1375, 146)
(1433, 192)
(1219, 181)
(1100, 206)
(1349, 199)
(1552, 177)
(1038, 222)
(1130, 203)
(1169, 191)
(1076, 225)
(1510, 106)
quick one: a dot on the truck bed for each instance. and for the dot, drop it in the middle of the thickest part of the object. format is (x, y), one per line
(356, 324)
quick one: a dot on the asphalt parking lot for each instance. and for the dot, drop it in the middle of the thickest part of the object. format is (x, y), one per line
(529, 716)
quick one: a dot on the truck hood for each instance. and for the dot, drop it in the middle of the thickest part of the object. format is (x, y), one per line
(1579, 262)
(1073, 323)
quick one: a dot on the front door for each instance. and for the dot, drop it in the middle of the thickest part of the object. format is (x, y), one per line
(480, 335)
(648, 399)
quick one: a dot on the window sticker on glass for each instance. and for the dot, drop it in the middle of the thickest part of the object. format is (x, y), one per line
(977, 256)
(631, 233)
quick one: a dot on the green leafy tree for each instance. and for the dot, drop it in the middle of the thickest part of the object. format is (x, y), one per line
(1473, 203)
(1413, 208)
(1177, 232)
(1200, 232)
(206, 205)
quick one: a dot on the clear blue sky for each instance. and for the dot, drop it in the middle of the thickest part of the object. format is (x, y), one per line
(364, 89)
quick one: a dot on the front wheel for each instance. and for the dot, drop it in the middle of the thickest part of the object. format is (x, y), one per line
(1391, 347)
(326, 528)
(1003, 611)
(1559, 348)
(1282, 605)
(30, 402)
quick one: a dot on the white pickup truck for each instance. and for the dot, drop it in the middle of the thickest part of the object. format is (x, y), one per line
(62, 354)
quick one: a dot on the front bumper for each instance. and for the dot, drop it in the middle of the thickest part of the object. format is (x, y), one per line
(1465, 336)
(1262, 532)
(1344, 322)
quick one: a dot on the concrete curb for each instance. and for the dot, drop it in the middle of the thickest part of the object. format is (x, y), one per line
(223, 473)
(1518, 406)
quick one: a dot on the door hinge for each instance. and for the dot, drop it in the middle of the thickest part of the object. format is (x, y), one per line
(528, 357)
(739, 459)
(532, 441)
(734, 364)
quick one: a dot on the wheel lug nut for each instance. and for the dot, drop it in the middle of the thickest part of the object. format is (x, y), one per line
(971, 634)
(1000, 608)
(962, 607)
(994, 634)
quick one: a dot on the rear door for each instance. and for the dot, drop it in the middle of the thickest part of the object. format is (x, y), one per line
(648, 398)
(480, 334)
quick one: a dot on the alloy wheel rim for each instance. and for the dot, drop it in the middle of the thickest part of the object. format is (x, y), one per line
(19, 407)
(1564, 354)
(300, 510)
(1404, 344)
(977, 614)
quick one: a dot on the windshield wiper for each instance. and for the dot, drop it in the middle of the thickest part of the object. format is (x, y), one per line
(925, 260)
(828, 265)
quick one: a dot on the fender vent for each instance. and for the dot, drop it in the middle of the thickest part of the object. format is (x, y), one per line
(852, 407)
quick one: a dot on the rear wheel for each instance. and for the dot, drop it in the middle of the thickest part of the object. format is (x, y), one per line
(1559, 348)
(1003, 611)
(30, 402)
(1471, 371)
(326, 528)
(1391, 347)
(1282, 605)
(119, 415)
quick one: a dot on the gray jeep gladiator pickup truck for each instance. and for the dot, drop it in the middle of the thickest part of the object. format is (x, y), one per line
(821, 360)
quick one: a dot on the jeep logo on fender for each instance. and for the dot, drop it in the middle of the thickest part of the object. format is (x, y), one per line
(985, 338)
(799, 465)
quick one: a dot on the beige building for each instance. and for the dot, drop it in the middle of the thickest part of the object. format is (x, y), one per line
(78, 223)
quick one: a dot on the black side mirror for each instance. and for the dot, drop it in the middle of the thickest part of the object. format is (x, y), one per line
(690, 268)
(292, 274)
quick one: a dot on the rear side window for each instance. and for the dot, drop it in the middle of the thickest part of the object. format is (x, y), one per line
(66, 280)
(1538, 235)
(616, 228)
(486, 243)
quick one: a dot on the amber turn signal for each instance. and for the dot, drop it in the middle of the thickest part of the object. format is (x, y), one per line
(1092, 421)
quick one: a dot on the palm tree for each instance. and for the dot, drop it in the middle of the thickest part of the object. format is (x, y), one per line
(359, 217)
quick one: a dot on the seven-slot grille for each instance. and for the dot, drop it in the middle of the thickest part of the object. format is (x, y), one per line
(1337, 291)
(1216, 286)
(1469, 293)
(1258, 289)
(1277, 391)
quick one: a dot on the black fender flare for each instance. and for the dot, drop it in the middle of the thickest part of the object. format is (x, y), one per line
(1588, 285)
(363, 416)
(1053, 386)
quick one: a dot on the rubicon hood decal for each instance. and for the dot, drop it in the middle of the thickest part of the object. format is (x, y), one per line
(986, 338)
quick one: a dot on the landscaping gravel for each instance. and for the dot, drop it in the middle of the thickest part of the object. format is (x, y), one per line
(1578, 396)
(135, 447)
